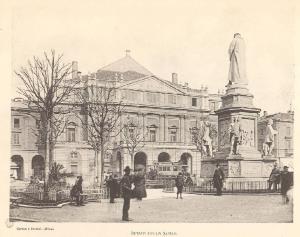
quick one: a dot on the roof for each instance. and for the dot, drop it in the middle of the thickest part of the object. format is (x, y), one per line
(125, 65)
(288, 117)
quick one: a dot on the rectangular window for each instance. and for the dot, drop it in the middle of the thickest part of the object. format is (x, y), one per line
(131, 133)
(16, 138)
(288, 131)
(194, 101)
(288, 145)
(16, 123)
(71, 134)
(173, 136)
(152, 135)
(172, 99)
(153, 98)
(74, 168)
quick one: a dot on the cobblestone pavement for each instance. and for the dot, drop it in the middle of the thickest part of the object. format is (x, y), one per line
(164, 207)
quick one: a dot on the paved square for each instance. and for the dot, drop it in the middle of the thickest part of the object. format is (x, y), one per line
(164, 207)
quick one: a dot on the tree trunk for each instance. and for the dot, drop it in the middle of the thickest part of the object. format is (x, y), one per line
(102, 163)
(132, 160)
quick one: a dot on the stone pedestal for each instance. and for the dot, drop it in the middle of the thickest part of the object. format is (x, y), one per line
(239, 168)
(248, 164)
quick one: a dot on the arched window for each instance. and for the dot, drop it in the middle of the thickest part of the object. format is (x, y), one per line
(71, 132)
(163, 157)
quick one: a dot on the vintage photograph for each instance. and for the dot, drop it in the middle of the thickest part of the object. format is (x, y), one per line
(152, 112)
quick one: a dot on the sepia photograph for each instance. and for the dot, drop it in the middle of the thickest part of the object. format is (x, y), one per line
(124, 112)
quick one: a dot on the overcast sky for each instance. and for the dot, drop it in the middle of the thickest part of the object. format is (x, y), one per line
(187, 37)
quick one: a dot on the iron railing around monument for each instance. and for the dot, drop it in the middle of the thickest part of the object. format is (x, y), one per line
(228, 187)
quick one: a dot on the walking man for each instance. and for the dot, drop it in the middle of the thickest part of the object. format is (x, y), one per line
(286, 183)
(218, 180)
(126, 190)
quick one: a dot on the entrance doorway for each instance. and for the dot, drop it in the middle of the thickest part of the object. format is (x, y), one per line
(140, 160)
(186, 160)
(19, 162)
(38, 166)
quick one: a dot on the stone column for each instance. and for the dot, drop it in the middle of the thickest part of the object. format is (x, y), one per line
(161, 128)
(165, 128)
(182, 128)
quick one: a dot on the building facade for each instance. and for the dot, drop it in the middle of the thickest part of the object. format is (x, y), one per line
(165, 110)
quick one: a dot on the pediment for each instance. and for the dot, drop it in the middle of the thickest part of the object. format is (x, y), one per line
(152, 83)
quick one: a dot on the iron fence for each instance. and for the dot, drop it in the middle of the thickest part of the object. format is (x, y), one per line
(36, 194)
(228, 187)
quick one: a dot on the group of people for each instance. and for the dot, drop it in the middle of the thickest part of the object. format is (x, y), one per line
(284, 178)
(133, 186)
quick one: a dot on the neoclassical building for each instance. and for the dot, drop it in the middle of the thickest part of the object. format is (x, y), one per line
(165, 110)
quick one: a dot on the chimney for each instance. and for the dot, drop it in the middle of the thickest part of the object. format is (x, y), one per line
(174, 78)
(74, 69)
(127, 52)
(265, 113)
(186, 84)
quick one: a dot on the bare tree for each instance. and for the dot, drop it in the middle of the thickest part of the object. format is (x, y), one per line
(47, 89)
(102, 113)
(133, 137)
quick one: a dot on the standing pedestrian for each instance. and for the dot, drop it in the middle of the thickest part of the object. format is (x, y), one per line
(218, 180)
(286, 183)
(179, 182)
(112, 184)
(127, 192)
(76, 191)
(139, 182)
(274, 178)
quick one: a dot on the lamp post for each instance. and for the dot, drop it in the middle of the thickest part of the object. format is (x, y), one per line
(196, 139)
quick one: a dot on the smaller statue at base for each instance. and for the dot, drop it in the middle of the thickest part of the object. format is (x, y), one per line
(235, 131)
(207, 141)
(268, 144)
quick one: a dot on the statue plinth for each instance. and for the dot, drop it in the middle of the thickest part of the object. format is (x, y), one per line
(237, 139)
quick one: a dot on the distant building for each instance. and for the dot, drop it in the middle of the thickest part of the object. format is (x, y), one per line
(166, 109)
(283, 144)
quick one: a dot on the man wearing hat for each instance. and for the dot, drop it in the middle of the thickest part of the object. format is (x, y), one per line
(126, 190)
(218, 179)
(286, 183)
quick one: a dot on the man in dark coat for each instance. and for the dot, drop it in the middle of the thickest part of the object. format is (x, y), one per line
(125, 184)
(218, 180)
(139, 181)
(112, 184)
(76, 191)
(286, 183)
(179, 182)
(274, 178)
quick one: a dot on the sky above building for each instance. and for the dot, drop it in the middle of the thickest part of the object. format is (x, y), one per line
(188, 37)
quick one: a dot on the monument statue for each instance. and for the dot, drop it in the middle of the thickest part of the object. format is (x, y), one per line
(207, 141)
(237, 69)
(268, 144)
(235, 131)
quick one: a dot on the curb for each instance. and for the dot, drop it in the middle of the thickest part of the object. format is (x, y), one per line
(15, 219)
(41, 207)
